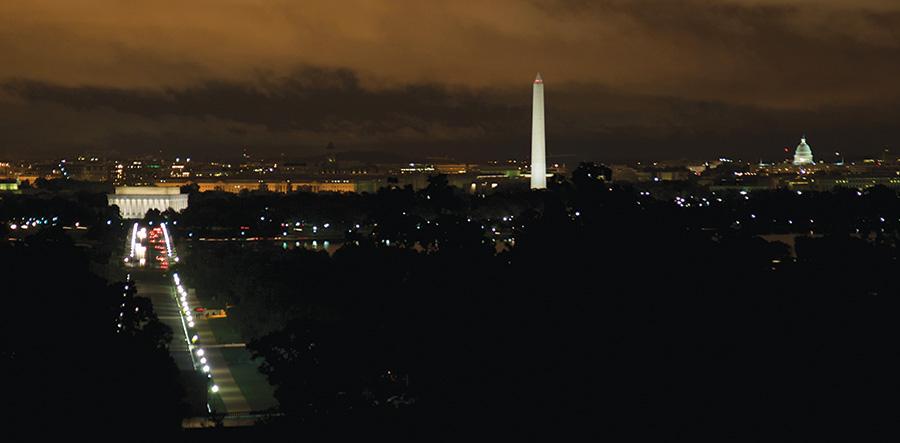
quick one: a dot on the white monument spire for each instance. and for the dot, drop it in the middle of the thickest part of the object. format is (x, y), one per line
(538, 141)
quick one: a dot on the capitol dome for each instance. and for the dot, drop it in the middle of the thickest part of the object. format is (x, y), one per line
(803, 155)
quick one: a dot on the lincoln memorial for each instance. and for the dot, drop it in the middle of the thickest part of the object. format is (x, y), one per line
(135, 201)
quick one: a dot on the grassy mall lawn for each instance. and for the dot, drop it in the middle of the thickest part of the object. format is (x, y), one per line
(206, 301)
(216, 404)
(253, 384)
(224, 330)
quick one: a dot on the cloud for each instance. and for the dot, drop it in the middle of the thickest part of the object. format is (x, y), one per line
(770, 52)
(622, 75)
(298, 114)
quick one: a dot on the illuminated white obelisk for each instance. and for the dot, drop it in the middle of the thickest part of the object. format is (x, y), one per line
(538, 142)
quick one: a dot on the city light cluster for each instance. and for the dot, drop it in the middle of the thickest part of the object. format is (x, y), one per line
(31, 222)
(143, 240)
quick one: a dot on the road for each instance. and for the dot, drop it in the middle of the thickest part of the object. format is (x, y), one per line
(157, 286)
(153, 280)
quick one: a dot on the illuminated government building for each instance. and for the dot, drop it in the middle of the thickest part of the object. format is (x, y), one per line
(235, 186)
(135, 201)
(803, 155)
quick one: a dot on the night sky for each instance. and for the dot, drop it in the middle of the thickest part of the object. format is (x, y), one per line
(625, 79)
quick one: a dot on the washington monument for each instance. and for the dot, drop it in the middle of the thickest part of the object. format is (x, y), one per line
(538, 142)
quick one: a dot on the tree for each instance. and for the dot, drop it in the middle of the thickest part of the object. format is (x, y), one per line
(590, 175)
(71, 342)
(190, 188)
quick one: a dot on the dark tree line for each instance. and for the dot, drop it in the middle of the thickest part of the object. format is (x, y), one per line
(79, 355)
(613, 314)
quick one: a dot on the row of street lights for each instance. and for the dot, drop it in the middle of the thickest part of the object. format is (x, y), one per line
(121, 316)
(198, 355)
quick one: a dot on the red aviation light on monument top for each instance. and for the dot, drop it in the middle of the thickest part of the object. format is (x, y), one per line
(539, 79)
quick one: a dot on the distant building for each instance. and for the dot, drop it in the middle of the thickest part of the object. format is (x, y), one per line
(624, 173)
(9, 185)
(673, 174)
(142, 172)
(861, 181)
(436, 168)
(417, 168)
(235, 186)
(803, 155)
(451, 168)
(135, 201)
(744, 183)
(91, 169)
